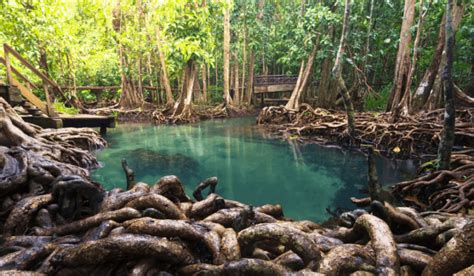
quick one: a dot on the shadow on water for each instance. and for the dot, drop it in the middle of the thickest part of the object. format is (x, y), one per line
(252, 168)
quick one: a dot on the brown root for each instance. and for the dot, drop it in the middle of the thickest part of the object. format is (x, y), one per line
(175, 228)
(347, 258)
(19, 219)
(382, 242)
(455, 255)
(158, 202)
(296, 240)
(240, 267)
(206, 207)
(230, 248)
(123, 247)
(87, 223)
(171, 187)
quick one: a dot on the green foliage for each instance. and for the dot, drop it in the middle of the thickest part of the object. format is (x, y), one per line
(78, 41)
(60, 107)
(378, 101)
(215, 94)
(86, 96)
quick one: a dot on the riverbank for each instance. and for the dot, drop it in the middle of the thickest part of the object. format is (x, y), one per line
(163, 114)
(56, 221)
(409, 138)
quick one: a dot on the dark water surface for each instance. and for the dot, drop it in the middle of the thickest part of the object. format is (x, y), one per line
(252, 168)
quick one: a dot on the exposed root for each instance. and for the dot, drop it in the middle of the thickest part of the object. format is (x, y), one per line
(412, 136)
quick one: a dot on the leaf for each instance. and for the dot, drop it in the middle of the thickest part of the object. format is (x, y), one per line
(396, 149)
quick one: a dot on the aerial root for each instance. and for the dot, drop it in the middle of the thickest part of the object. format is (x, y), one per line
(123, 247)
(231, 239)
(411, 136)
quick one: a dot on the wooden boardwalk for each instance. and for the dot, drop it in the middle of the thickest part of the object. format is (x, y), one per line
(19, 92)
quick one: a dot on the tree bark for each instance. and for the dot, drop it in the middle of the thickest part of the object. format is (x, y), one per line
(130, 98)
(164, 75)
(244, 65)
(204, 83)
(429, 89)
(183, 108)
(402, 109)
(236, 81)
(403, 56)
(227, 98)
(436, 97)
(447, 139)
(250, 78)
(426, 84)
(337, 72)
(303, 79)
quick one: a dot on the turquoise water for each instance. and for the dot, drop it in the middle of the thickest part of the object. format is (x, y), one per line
(251, 168)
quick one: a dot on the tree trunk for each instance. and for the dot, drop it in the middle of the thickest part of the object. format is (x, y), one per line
(447, 138)
(140, 80)
(402, 65)
(227, 98)
(402, 109)
(244, 65)
(204, 83)
(183, 108)
(250, 79)
(130, 98)
(164, 75)
(303, 77)
(337, 72)
(236, 82)
(429, 91)
(323, 87)
(426, 84)
(436, 98)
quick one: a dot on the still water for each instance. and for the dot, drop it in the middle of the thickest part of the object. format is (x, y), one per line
(251, 167)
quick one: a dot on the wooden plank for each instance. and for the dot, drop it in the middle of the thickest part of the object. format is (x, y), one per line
(274, 88)
(32, 98)
(7, 64)
(10, 50)
(18, 74)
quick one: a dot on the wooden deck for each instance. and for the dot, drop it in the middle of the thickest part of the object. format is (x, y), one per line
(19, 92)
(274, 84)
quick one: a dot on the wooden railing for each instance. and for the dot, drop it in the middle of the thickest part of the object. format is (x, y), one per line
(274, 80)
(26, 91)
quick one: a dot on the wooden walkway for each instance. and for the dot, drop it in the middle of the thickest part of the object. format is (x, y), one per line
(274, 84)
(265, 85)
(19, 92)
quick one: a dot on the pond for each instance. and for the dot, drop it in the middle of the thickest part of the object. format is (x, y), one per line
(251, 167)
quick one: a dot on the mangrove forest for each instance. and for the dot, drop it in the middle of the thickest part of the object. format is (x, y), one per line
(236, 137)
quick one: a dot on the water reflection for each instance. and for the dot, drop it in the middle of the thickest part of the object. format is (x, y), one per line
(305, 179)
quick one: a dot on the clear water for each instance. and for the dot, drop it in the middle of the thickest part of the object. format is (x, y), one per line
(251, 168)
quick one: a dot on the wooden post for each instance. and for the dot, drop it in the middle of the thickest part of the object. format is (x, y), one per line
(48, 100)
(7, 64)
